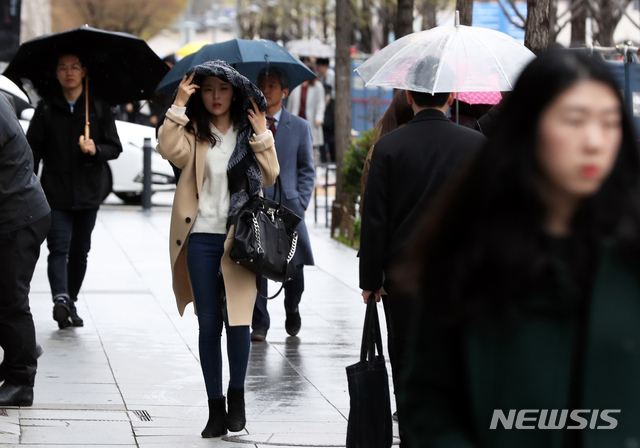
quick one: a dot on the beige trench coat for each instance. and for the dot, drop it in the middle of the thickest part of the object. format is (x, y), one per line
(182, 149)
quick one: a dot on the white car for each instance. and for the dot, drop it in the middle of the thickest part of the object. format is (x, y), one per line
(124, 175)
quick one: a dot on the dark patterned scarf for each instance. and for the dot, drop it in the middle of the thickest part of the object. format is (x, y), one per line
(243, 172)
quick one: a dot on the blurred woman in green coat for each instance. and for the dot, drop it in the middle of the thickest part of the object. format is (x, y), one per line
(526, 272)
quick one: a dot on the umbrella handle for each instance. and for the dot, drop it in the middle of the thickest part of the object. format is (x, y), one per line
(86, 106)
(85, 137)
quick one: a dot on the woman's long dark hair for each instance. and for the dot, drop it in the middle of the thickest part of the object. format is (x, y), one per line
(398, 113)
(479, 246)
(200, 118)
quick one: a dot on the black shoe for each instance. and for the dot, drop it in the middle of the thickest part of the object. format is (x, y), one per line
(61, 312)
(76, 320)
(236, 418)
(293, 323)
(217, 424)
(15, 395)
(39, 350)
(258, 335)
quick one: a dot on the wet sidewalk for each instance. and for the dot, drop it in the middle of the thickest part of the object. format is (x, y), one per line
(131, 377)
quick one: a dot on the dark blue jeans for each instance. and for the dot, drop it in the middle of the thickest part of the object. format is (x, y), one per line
(203, 260)
(293, 290)
(69, 242)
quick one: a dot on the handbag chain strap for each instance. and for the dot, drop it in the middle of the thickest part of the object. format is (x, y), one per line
(294, 243)
(256, 229)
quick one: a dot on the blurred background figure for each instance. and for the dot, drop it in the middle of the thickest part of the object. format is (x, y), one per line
(327, 77)
(308, 101)
(24, 222)
(526, 272)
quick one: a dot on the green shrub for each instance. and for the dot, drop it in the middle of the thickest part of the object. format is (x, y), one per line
(353, 163)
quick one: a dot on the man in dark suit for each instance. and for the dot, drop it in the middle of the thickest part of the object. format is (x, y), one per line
(297, 174)
(409, 166)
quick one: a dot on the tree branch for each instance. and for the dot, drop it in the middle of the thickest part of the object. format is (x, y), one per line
(506, 13)
(515, 9)
(575, 6)
(630, 19)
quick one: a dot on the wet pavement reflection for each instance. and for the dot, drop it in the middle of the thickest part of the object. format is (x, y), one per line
(131, 376)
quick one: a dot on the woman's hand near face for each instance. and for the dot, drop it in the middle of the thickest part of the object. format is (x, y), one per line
(257, 119)
(185, 90)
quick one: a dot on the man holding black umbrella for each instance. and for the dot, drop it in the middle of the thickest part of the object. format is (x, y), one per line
(71, 178)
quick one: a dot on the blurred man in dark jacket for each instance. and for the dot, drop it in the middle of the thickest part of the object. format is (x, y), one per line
(72, 177)
(24, 222)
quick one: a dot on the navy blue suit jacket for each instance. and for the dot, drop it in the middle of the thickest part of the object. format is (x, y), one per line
(294, 147)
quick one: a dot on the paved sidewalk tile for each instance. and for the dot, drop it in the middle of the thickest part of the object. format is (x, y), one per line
(131, 376)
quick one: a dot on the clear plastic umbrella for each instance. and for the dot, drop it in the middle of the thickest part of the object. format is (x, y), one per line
(454, 58)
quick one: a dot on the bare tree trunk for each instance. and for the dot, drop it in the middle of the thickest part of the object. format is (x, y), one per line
(429, 14)
(579, 24)
(404, 22)
(324, 16)
(553, 21)
(343, 86)
(366, 34)
(609, 14)
(387, 16)
(536, 33)
(466, 11)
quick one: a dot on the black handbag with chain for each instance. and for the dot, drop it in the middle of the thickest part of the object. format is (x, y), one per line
(265, 238)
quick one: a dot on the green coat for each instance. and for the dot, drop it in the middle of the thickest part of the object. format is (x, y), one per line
(456, 379)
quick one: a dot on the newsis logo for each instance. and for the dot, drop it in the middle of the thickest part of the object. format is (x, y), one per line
(555, 419)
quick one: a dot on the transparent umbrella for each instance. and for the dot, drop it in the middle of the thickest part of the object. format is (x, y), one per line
(454, 58)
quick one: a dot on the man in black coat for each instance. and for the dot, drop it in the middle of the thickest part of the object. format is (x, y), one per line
(72, 176)
(409, 166)
(24, 222)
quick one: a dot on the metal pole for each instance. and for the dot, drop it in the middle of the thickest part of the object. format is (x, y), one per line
(146, 174)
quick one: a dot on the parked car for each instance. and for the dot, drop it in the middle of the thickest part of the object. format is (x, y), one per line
(124, 175)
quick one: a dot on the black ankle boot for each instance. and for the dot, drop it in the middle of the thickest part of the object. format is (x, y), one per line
(76, 320)
(217, 424)
(236, 419)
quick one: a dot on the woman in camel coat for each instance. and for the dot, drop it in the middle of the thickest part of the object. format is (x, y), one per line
(207, 134)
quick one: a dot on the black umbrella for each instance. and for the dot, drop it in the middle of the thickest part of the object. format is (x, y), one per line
(121, 67)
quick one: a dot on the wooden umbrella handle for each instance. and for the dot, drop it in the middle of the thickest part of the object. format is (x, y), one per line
(85, 137)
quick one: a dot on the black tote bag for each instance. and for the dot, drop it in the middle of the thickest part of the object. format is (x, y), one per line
(370, 423)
